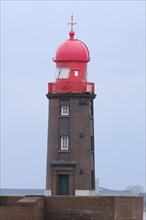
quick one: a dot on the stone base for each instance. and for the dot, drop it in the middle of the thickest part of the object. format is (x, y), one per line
(48, 192)
(85, 193)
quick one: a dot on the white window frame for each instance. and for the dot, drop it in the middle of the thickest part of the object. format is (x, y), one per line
(65, 110)
(76, 73)
(64, 142)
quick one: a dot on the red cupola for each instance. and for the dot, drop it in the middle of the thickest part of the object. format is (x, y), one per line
(71, 67)
(72, 50)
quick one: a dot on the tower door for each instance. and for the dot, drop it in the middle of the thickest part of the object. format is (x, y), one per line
(63, 185)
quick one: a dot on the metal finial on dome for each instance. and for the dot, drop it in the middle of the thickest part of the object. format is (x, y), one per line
(72, 33)
(72, 23)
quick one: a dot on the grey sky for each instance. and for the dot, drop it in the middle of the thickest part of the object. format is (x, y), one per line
(114, 32)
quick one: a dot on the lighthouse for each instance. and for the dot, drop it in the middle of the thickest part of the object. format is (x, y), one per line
(70, 151)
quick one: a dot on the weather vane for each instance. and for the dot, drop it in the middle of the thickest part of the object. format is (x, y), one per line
(72, 23)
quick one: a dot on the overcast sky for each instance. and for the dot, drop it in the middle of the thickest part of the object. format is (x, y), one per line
(114, 32)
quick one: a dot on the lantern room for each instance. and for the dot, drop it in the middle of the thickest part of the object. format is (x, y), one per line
(71, 61)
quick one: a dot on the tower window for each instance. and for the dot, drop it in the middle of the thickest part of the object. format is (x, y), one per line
(76, 73)
(64, 142)
(65, 110)
(62, 73)
(91, 108)
(92, 143)
(92, 179)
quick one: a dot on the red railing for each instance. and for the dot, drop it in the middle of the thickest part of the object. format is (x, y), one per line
(64, 87)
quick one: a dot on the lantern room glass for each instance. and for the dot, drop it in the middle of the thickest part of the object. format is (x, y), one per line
(62, 73)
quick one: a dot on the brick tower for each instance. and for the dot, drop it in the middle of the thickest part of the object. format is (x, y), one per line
(70, 158)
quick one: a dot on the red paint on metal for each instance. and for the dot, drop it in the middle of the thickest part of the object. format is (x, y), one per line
(72, 50)
(71, 61)
(71, 87)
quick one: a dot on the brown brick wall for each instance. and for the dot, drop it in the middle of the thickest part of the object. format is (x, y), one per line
(11, 209)
(20, 213)
(77, 208)
(93, 208)
(78, 125)
(73, 208)
(128, 208)
(9, 200)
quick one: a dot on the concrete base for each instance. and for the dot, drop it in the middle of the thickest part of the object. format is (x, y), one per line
(48, 192)
(85, 193)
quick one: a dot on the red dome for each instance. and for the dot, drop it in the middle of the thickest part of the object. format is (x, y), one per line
(72, 50)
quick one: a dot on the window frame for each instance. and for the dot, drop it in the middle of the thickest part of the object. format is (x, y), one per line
(65, 110)
(62, 72)
(76, 73)
(64, 142)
